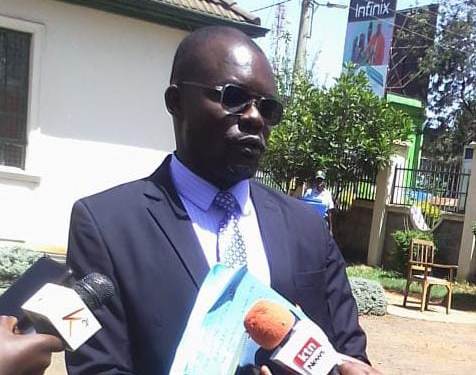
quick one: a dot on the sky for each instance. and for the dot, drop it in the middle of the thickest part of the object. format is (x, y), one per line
(326, 45)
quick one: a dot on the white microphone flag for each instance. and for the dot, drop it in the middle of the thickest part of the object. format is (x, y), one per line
(63, 309)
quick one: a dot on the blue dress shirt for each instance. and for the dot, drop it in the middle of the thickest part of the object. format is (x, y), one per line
(197, 196)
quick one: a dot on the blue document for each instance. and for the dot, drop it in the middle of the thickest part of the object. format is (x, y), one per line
(215, 341)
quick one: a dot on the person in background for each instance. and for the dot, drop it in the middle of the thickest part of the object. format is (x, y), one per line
(377, 47)
(320, 194)
(24, 354)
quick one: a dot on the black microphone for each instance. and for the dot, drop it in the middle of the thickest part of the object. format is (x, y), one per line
(67, 312)
(47, 299)
(95, 289)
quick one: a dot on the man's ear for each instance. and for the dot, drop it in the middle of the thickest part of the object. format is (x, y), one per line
(172, 100)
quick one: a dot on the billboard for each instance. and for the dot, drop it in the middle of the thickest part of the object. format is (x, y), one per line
(369, 39)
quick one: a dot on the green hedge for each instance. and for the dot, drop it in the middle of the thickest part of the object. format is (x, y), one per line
(14, 260)
(369, 295)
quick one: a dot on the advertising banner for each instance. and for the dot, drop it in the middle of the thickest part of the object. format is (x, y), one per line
(369, 38)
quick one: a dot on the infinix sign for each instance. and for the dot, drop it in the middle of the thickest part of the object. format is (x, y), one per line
(372, 9)
(361, 10)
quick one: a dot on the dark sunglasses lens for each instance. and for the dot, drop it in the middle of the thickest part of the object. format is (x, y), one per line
(234, 98)
(272, 110)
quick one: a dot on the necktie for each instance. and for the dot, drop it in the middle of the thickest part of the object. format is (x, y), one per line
(230, 245)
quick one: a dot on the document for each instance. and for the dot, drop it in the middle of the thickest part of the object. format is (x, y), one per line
(215, 341)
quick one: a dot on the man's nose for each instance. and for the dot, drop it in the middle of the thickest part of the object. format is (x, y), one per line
(252, 118)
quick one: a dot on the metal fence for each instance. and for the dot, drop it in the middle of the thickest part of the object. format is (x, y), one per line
(267, 179)
(431, 190)
(343, 193)
(363, 187)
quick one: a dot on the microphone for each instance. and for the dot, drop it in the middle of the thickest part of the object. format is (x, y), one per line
(66, 312)
(95, 290)
(298, 345)
(44, 270)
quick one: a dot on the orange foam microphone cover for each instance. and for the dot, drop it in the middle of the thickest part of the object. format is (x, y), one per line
(268, 323)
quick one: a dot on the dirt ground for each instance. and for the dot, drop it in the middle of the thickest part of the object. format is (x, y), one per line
(402, 346)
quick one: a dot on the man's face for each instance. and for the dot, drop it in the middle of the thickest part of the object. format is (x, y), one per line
(221, 147)
(320, 184)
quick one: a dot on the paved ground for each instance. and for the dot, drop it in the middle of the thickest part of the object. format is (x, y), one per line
(435, 313)
(408, 342)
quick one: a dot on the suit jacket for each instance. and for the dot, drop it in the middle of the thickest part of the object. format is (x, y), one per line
(140, 235)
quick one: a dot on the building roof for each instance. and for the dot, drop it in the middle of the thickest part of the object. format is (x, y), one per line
(220, 8)
(183, 14)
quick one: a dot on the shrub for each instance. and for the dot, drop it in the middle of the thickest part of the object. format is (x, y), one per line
(402, 238)
(14, 260)
(369, 295)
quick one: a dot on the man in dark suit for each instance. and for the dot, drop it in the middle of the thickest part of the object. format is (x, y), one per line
(157, 237)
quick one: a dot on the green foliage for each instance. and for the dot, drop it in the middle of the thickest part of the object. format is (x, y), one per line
(371, 273)
(402, 240)
(369, 295)
(451, 63)
(14, 260)
(464, 293)
(341, 130)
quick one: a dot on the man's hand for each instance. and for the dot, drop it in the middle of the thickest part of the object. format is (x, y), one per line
(24, 354)
(349, 367)
(355, 368)
(352, 366)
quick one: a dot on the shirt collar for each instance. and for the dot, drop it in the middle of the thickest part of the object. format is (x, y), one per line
(202, 193)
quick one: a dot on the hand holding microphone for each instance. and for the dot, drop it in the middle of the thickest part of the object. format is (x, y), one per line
(24, 354)
(67, 312)
(52, 317)
(299, 346)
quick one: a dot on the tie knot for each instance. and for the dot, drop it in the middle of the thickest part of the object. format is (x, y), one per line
(225, 201)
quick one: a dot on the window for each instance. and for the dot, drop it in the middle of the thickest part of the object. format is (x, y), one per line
(468, 153)
(14, 84)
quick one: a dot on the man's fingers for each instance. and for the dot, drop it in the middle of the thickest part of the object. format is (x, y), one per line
(50, 343)
(356, 368)
(8, 322)
(264, 370)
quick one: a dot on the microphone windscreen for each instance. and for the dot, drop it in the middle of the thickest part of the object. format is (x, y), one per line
(268, 323)
(94, 289)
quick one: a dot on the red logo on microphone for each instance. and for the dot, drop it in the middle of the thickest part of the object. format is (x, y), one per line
(306, 352)
(72, 318)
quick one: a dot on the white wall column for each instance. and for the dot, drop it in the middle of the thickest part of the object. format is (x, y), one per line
(466, 260)
(382, 198)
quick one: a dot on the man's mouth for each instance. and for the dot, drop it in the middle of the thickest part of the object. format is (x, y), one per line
(250, 146)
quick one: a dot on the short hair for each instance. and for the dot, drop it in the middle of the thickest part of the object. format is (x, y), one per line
(190, 49)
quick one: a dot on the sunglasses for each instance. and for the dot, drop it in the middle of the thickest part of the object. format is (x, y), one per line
(235, 100)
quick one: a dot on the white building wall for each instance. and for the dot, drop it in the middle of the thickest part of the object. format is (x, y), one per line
(97, 116)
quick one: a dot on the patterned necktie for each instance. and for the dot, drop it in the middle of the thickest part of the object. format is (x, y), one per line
(231, 248)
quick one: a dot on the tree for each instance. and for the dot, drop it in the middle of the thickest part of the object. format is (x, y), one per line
(341, 129)
(451, 62)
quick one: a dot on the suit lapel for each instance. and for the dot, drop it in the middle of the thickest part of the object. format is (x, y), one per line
(170, 215)
(275, 238)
